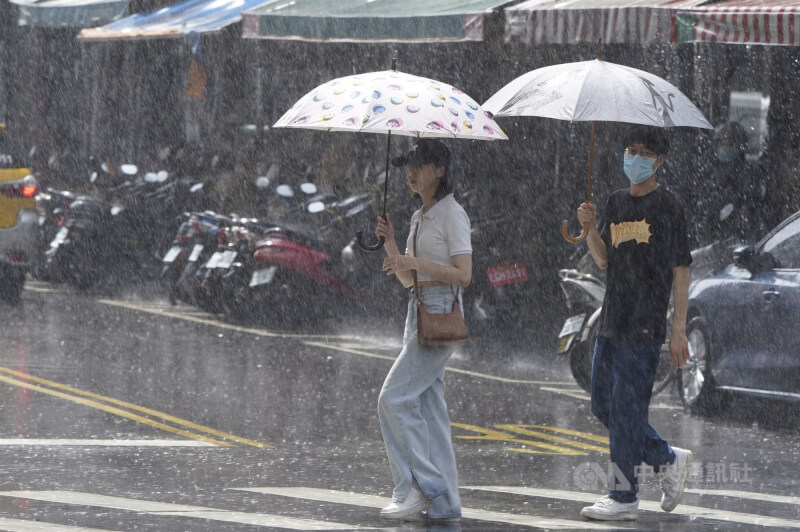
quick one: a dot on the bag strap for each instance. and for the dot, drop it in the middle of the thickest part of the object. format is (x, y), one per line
(414, 271)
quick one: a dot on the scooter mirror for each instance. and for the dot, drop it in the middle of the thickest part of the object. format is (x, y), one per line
(315, 206)
(262, 182)
(285, 191)
(308, 188)
(129, 169)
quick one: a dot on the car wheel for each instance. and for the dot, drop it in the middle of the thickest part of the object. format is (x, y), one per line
(695, 379)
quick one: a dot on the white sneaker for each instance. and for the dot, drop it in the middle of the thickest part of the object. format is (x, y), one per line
(607, 509)
(673, 479)
(410, 508)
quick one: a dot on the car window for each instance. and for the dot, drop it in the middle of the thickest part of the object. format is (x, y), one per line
(784, 245)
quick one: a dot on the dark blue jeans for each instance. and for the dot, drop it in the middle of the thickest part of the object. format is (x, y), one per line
(623, 374)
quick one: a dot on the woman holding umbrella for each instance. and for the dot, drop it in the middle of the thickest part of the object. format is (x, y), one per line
(411, 406)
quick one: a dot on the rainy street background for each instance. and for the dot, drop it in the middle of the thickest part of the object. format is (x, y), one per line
(142, 388)
(131, 414)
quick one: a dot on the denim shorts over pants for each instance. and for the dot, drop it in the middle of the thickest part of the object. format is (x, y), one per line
(413, 414)
(623, 374)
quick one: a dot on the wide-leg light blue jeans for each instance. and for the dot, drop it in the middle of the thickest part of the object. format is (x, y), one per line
(413, 414)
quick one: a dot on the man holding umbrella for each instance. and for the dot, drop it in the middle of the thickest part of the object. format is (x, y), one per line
(642, 241)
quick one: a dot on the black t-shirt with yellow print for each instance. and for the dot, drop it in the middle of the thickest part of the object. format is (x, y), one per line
(646, 238)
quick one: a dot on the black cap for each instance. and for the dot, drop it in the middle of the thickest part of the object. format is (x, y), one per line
(425, 151)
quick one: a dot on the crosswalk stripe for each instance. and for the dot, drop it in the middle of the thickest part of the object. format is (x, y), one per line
(650, 506)
(19, 525)
(176, 510)
(7, 442)
(767, 497)
(374, 501)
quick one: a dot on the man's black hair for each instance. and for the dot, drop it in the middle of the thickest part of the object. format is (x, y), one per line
(654, 138)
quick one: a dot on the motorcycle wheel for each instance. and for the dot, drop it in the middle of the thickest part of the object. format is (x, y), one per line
(580, 360)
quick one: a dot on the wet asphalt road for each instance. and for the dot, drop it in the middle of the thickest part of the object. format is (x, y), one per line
(126, 413)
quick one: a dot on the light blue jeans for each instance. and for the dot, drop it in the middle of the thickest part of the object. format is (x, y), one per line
(413, 414)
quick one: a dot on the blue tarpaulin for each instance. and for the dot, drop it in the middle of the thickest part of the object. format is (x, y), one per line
(69, 13)
(199, 16)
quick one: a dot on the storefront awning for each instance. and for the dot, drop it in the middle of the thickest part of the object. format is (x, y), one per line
(579, 21)
(69, 13)
(200, 16)
(370, 20)
(775, 22)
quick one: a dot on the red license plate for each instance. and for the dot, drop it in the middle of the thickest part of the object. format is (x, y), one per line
(508, 273)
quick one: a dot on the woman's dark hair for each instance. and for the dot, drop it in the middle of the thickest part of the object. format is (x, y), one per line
(653, 138)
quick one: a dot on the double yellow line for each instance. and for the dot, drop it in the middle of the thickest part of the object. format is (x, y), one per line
(125, 410)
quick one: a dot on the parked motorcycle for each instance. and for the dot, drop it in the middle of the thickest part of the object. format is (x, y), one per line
(310, 267)
(110, 239)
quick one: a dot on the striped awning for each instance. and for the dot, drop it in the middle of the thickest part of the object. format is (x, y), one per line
(769, 22)
(369, 20)
(580, 21)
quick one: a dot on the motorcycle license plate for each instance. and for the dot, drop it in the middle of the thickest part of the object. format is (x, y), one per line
(571, 327)
(263, 276)
(212, 262)
(226, 259)
(196, 251)
(507, 273)
(171, 255)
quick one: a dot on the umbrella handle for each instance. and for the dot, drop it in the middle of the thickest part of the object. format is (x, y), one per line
(368, 247)
(574, 239)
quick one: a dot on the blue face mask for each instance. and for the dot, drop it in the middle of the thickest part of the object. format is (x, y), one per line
(638, 168)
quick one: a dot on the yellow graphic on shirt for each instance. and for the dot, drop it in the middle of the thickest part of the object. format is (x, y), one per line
(627, 231)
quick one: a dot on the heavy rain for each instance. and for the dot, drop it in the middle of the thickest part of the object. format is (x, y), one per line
(201, 329)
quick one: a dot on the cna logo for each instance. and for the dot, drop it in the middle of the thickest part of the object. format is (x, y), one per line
(627, 231)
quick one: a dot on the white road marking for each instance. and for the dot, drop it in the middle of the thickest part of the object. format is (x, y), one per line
(339, 347)
(101, 443)
(374, 501)
(18, 525)
(650, 506)
(176, 510)
(752, 495)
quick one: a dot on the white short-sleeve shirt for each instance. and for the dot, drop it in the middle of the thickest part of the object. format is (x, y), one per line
(444, 231)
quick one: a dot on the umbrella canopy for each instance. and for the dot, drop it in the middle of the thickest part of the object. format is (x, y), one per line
(596, 90)
(392, 102)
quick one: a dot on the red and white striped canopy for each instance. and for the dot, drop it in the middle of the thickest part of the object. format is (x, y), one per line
(770, 22)
(577, 21)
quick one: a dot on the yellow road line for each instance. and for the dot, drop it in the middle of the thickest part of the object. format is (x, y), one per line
(131, 406)
(521, 429)
(586, 435)
(499, 436)
(113, 410)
